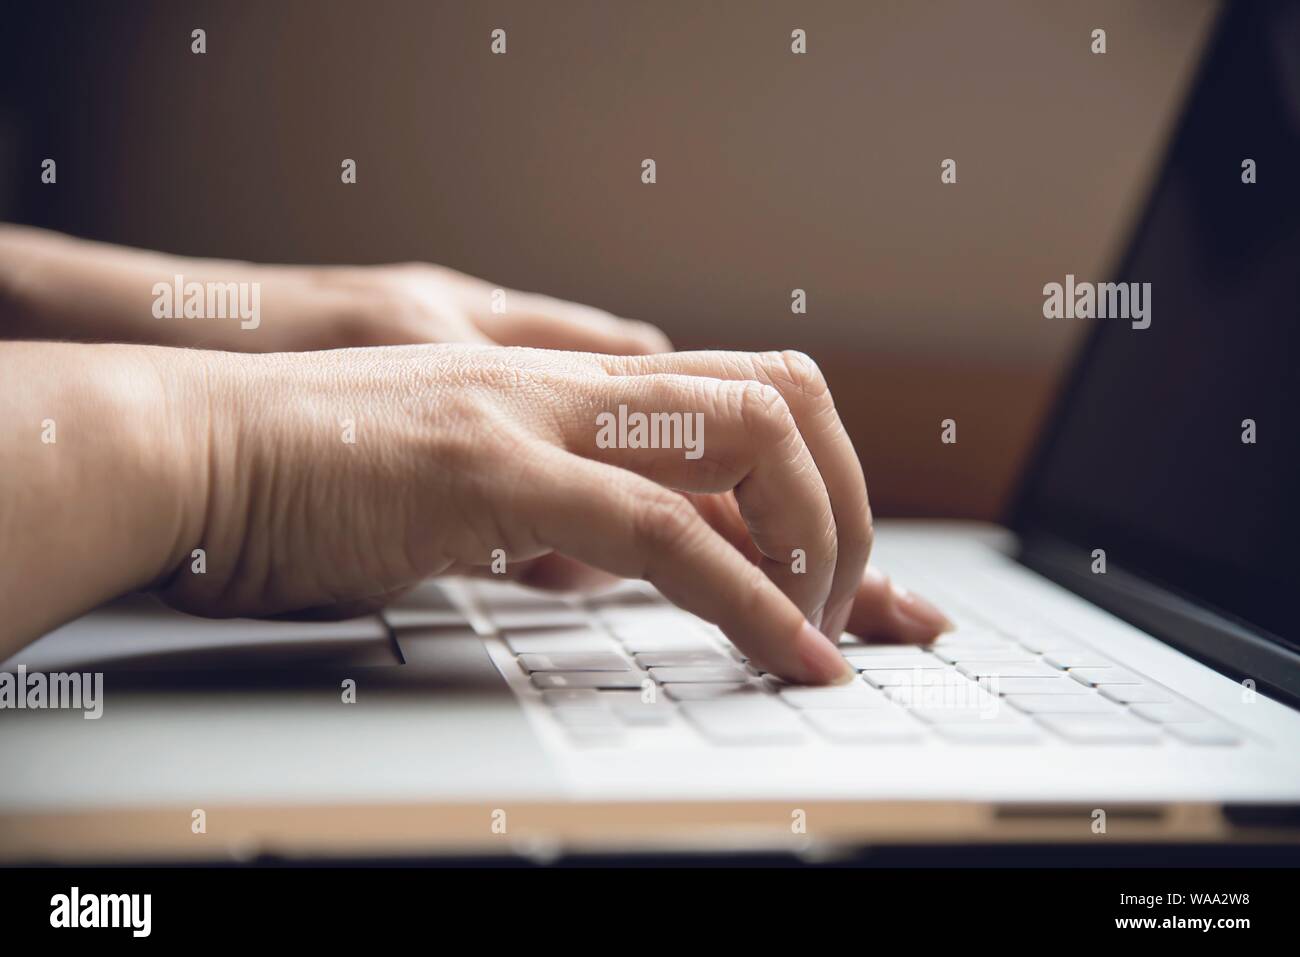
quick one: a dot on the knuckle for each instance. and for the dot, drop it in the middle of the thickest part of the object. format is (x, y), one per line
(797, 371)
(763, 410)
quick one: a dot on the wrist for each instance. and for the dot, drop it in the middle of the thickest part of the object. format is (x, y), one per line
(99, 494)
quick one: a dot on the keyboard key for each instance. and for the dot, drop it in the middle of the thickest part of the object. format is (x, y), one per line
(1108, 676)
(1101, 728)
(857, 648)
(587, 718)
(995, 712)
(1076, 658)
(641, 643)
(699, 674)
(510, 595)
(426, 605)
(681, 659)
(588, 679)
(745, 721)
(989, 732)
(838, 697)
(1169, 713)
(866, 727)
(1056, 684)
(573, 661)
(1005, 669)
(913, 676)
(1204, 733)
(508, 619)
(951, 643)
(1135, 694)
(1063, 704)
(960, 655)
(574, 698)
(640, 713)
(894, 662)
(963, 697)
(558, 642)
(711, 690)
(1041, 642)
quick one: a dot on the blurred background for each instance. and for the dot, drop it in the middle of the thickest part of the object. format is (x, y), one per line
(775, 172)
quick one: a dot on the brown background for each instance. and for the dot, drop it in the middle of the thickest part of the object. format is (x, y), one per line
(775, 171)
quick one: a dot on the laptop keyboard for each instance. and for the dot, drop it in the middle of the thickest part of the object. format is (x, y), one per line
(614, 671)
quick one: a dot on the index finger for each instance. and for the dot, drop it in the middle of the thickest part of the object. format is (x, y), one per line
(623, 523)
(805, 391)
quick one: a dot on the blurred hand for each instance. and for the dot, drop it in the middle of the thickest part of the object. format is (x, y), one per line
(56, 286)
(417, 303)
(462, 450)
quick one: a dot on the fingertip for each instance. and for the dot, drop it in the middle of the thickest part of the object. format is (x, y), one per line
(821, 662)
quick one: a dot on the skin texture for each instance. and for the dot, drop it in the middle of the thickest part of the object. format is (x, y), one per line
(323, 481)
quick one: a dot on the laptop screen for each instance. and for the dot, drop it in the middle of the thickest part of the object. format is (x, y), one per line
(1174, 448)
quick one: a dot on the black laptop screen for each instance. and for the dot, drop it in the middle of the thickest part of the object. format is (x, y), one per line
(1145, 457)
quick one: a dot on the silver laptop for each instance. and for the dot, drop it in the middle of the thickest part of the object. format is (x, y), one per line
(1126, 661)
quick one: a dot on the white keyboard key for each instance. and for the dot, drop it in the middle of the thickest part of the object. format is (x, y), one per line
(1204, 733)
(740, 721)
(989, 732)
(889, 651)
(587, 718)
(953, 643)
(959, 655)
(1005, 669)
(866, 727)
(1044, 641)
(963, 697)
(699, 674)
(712, 690)
(1063, 704)
(424, 606)
(852, 696)
(1135, 694)
(507, 619)
(588, 679)
(970, 633)
(912, 677)
(574, 698)
(558, 642)
(641, 714)
(1056, 684)
(1076, 658)
(1169, 713)
(641, 643)
(573, 661)
(894, 662)
(503, 594)
(681, 659)
(1106, 676)
(1101, 728)
(995, 713)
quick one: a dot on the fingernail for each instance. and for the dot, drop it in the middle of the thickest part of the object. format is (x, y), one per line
(920, 612)
(822, 662)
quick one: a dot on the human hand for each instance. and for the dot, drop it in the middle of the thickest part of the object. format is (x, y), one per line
(55, 286)
(463, 450)
(414, 303)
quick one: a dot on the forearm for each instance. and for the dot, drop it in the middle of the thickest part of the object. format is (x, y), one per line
(103, 449)
(58, 287)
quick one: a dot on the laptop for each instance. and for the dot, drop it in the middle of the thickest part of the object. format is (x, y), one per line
(1125, 666)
